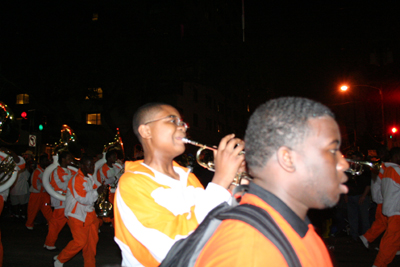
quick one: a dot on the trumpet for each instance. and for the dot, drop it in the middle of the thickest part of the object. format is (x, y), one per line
(358, 166)
(210, 164)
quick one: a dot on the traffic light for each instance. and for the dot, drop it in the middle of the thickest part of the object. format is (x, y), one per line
(25, 121)
(41, 122)
(393, 131)
(24, 115)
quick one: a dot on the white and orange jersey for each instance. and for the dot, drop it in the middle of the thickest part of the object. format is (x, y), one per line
(376, 186)
(108, 175)
(20, 166)
(81, 195)
(59, 181)
(152, 211)
(391, 190)
(36, 181)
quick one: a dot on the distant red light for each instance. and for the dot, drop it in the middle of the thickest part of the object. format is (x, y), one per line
(24, 115)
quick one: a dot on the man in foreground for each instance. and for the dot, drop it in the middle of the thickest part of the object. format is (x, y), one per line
(159, 202)
(292, 153)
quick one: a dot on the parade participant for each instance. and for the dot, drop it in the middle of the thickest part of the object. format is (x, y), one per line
(357, 199)
(20, 162)
(108, 175)
(19, 194)
(292, 153)
(108, 171)
(39, 199)
(390, 242)
(158, 202)
(380, 222)
(82, 219)
(59, 181)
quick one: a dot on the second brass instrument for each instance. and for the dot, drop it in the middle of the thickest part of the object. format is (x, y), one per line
(358, 166)
(210, 164)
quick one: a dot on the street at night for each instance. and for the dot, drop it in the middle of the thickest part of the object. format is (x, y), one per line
(302, 96)
(24, 248)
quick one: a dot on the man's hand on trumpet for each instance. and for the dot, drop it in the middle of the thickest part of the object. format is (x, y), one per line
(227, 160)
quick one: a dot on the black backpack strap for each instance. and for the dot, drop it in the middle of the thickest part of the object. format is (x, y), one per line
(185, 251)
(265, 224)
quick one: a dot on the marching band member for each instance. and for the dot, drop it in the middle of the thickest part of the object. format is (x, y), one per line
(82, 219)
(39, 199)
(158, 202)
(59, 181)
(4, 194)
(108, 175)
(390, 242)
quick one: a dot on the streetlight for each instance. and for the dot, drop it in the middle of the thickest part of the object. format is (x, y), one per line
(345, 87)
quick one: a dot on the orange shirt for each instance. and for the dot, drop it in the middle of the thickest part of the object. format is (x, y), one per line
(236, 243)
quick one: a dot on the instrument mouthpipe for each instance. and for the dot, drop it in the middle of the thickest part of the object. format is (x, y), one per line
(191, 142)
(187, 141)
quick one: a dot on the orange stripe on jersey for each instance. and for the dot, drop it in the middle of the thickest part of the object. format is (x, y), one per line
(391, 173)
(164, 221)
(140, 252)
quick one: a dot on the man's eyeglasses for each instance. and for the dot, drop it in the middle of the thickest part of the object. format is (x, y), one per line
(174, 119)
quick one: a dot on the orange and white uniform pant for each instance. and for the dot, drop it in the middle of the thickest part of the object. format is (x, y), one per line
(390, 242)
(1, 245)
(378, 226)
(56, 224)
(85, 238)
(38, 201)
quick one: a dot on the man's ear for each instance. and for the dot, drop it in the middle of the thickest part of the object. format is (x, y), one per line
(285, 158)
(144, 131)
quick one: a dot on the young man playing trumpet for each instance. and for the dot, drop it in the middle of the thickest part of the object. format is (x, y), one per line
(158, 202)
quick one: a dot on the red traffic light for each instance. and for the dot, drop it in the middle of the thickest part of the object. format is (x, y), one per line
(394, 130)
(23, 114)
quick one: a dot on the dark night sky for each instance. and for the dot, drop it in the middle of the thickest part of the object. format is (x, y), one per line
(299, 47)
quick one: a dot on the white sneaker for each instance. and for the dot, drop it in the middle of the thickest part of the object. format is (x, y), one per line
(364, 241)
(49, 247)
(397, 253)
(55, 257)
(29, 227)
(57, 263)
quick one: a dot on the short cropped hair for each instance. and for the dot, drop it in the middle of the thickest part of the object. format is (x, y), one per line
(85, 158)
(62, 155)
(279, 122)
(43, 157)
(110, 153)
(144, 114)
